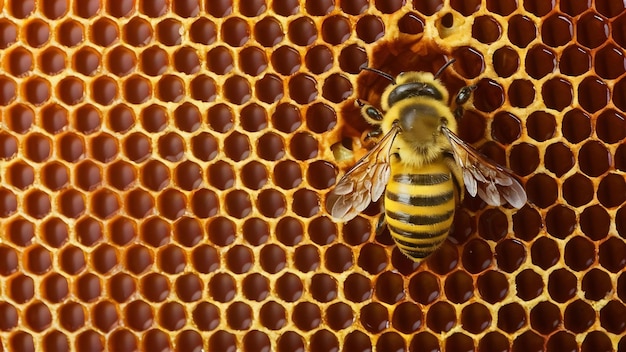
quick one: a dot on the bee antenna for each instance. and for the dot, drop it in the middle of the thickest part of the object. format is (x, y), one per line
(444, 67)
(380, 73)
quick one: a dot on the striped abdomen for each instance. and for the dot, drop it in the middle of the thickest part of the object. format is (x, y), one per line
(419, 207)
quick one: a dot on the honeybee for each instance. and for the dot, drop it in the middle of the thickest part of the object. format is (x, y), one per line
(420, 164)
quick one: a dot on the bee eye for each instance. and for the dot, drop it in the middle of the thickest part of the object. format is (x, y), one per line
(443, 121)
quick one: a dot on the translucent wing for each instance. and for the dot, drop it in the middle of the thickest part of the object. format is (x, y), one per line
(493, 183)
(364, 183)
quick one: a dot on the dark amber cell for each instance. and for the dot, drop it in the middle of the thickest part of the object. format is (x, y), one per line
(489, 95)
(323, 288)
(557, 93)
(306, 203)
(54, 119)
(238, 204)
(545, 317)
(269, 89)
(459, 287)
(576, 126)
(609, 62)
(556, 30)
(560, 221)
(219, 60)
(611, 126)
(441, 317)
(594, 158)
(237, 146)
(171, 204)
(237, 90)
(562, 285)
(319, 8)
(486, 29)
(21, 232)
(357, 341)
(374, 317)
(411, 23)
(597, 341)
(169, 32)
(204, 259)
(120, 118)
(38, 147)
(612, 254)
(122, 340)
(171, 88)
(268, 32)
(510, 254)
(121, 61)
(323, 340)
(318, 59)
(104, 32)
(89, 231)
(286, 60)
(290, 341)
(203, 31)
(493, 224)
(138, 259)
(511, 317)
(580, 253)
(21, 288)
(336, 29)
(540, 61)
(252, 60)
(19, 62)
(541, 125)
(610, 8)
(470, 62)
(303, 146)
(71, 316)
(270, 146)
(427, 8)
(595, 220)
(36, 31)
(121, 287)
(559, 158)
(596, 284)
(370, 28)
(70, 33)
(220, 118)
(156, 340)
(137, 90)
(286, 118)
(578, 190)
(38, 316)
(138, 32)
(338, 258)
(477, 256)
(307, 316)
(239, 316)
(505, 127)
(86, 61)
(593, 94)
(303, 88)
(155, 60)
(71, 260)
(302, 31)
(524, 159)
(52, 61)
(592, 30)
(21, 341)
(407, 317)
(38, 260)
(235, 31)
(390, 287)
(466, 8)
(579, 316)
(9, 33)
(521, 30)
(8, 90)
(575, 61)
(612, 191)
(357, 288)
(88, 287)
(391, 341)
(372, 258)
(521, 93)
(475, 318)
(203, 88)
(337, 88)
(493, 286)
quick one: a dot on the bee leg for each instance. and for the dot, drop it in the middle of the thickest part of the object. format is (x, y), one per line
(381, 225)
(372, 115)
(461, 98)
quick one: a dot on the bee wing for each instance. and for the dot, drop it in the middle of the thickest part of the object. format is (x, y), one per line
(491, 182)
(364, 183)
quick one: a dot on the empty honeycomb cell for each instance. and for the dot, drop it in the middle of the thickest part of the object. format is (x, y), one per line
(592, 30)
(154, 61)
(560, 221)
(8, 33)
(489, 95)
(122, 340)
(22, 341)
(88, 287)
(104, 258)
(137, 32)
(36, 32)
(21, 232)
(87, 118)
(86, 61)
(20, 175)
(252, 60)
(19, 62)
(595, 221)
(20, 118)
(576, 126)
(37, 204)
(21, 288)
(52, 61)
(89, 231)
(121, 61)
(594, 159)
(72, 260)
(486, 29)
(611, 254)
(54, 118)
(319, 59)
(137, 89)
(557, 93)
(269, 89)
(37, 90)
(521, 30)
(104, 32)
(8, 90)
(38, 316)
(458, 287)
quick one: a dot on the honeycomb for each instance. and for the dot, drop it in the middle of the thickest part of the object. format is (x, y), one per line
(163, 165)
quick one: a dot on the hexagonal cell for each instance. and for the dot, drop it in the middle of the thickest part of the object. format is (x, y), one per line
(592, 30)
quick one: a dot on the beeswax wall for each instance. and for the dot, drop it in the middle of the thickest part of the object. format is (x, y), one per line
(163, 168)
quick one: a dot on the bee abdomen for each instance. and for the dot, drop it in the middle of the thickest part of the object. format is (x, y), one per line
(419, 209)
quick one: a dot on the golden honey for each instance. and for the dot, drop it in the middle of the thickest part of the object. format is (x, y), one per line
(163, 167)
